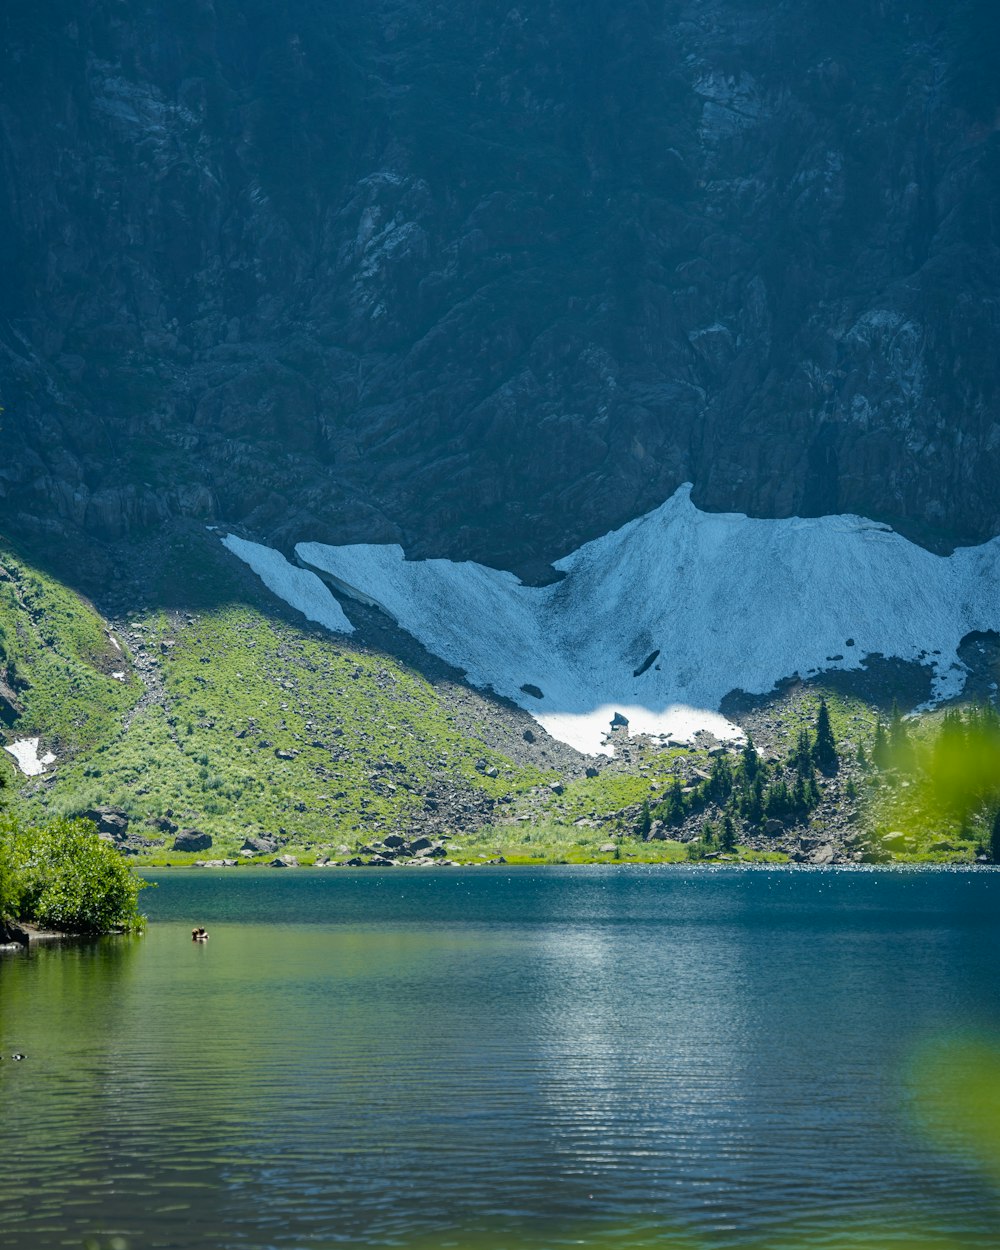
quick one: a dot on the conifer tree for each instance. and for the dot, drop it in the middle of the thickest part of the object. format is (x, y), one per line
(753, 803)
(778, 802)
(801, 757)
(673, 811)
(751, 762)
(645, 821)
(727, 834)
(900, 748)
(720, 784)
(880, 747)
(824, 750)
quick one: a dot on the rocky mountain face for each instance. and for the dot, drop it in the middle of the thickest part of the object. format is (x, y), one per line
(491, 280)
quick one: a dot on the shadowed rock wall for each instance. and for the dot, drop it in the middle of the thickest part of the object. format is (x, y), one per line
(491, 280)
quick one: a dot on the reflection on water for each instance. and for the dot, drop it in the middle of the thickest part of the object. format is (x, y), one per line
(541, 1058)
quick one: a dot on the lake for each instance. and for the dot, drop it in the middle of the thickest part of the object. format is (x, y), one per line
(673, 1057)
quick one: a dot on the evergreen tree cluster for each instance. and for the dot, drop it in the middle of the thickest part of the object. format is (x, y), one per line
(748, 790)
(892, 747)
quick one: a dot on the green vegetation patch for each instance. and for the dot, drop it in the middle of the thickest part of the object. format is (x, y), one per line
(261, 727)
(547, 842)
(611, 790)
(58, 664)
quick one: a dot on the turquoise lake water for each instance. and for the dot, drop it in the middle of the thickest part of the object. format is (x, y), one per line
(492, 1058)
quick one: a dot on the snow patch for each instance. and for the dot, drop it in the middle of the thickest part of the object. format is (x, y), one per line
(25, 751)
(733, 601)
(298, 587)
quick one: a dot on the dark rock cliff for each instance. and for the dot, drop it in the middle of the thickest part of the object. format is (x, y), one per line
(490, 280)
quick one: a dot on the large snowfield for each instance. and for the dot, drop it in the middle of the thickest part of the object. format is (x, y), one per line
(727, 601)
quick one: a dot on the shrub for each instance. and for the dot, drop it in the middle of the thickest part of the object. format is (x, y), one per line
(65, 877)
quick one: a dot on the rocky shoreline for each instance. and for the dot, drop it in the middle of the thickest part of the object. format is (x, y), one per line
(20, 935)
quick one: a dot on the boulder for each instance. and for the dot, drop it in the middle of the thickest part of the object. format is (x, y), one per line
(607, 849)
(284, 861)
(163, 823)
(773, 827)
(111, 820)
(593, 772)
(420, 844)
(394, 840)
(192, 840)
(12, 933)
(260, 846)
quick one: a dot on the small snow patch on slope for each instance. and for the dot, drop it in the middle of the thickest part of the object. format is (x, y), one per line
(298, 587)
(25, 751)
(734, 602)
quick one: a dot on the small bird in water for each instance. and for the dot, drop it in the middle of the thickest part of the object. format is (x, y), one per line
(18, 1055)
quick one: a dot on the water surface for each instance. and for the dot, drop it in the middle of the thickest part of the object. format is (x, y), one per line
(527, 1058)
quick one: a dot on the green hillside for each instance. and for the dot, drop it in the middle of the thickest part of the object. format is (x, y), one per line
(228, 714)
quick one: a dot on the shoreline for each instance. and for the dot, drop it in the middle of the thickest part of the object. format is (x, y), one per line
(34, 936)
(675, 865)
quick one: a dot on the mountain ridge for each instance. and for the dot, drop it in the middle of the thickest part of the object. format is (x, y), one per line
(490, 284)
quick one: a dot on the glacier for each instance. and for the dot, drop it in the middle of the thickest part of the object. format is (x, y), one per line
(727, 601)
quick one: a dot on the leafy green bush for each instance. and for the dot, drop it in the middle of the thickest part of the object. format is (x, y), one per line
(65, 877)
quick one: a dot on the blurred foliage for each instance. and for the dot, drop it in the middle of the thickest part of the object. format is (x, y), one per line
(943, 776)
(956, 1099)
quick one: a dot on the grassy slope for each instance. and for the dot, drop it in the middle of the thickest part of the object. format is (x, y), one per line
(57, 661)
(368, 738)
(228, 689)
